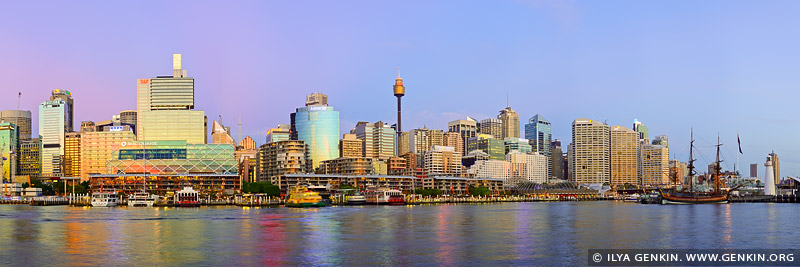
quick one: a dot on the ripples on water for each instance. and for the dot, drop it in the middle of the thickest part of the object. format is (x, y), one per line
(465, 234)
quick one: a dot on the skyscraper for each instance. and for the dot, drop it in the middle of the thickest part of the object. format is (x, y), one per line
(453, 139)
(72, 154)
(247, 143)
(20, 118)
(589, 159)
(165, 108)
(399, 91)
(9, 139)
(486, 143)
(279, 134)
(492, 127)
(97, 148)
(378, 139)
(624, 156)
(55, 119)
(654, 165)
(661, 140)
(318, 127)
(557, 168)
(29, 158)
(639, 128)
(510, 123)
(221, 134)
(521, 145)
(351, 147)
(127, 117)
(538, 132)
(466, 128)
(423, 139)
(753, 170)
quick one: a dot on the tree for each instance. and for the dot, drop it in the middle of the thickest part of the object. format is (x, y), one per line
(26, 185)
(479, 191)
(261, 188)
(428, 192)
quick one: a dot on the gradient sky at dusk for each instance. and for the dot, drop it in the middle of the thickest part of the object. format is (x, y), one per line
(722, 67)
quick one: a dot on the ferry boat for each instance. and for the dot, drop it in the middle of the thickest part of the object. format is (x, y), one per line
(385, 196)
(187, 197)
(299, 196)
(104, 199)
(142, 199)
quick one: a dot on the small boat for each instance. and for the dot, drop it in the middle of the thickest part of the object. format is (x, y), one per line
(299, 197)
(632, 198)
(384, 195)
(104, 199)
(355, 198)
(142, 199)
(187, 197)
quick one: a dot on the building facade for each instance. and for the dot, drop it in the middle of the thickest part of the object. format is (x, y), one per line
(453, 139)
(9, 150)
(347, 166)
(20, 118)
(493, 127)
(351, 147)
(282, 157)
(589, 152)
(486, 143)
(378, 139)
(517, 144)
(318, 127)
(30, 158)
(55, 120)
(72, 154)
(510, 123)
(538, 132)
(442, 161)
(530, 167)
(494, 169)
(557, 166)
(465, 128)
(97, 148)
(624, 156)
(654, 165)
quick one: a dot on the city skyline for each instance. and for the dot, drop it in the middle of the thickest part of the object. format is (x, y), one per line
(533, 54)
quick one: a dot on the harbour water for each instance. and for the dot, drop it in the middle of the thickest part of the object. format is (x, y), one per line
(531, 233)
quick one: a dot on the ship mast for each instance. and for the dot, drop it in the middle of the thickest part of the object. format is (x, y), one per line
(691, 163)
(717, 169)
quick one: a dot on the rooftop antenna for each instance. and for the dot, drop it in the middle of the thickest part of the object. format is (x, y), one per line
(240, 128)
(19, 96)
(507, 100)
(398, 72)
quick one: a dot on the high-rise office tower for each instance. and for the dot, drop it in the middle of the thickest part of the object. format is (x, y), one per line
(221, 134)
(247, 143)
(127, 117)
(453, 139)
(466, 128)
(423, 139)
(557, 159)
(677, 171)
(20, 118)
(316, 99)
(639, 128)
(378, 139)
(280, 133)
(55, 119)
(29, 158)
(538, 132)
(399, 91)
(510, 123)
(442, 161)
(9, 139)
(165, 108)
(351, 147)
(492, 127)
(654, 164)
(530, 167)
(660, 140)
(486, 143)
(72, 154)
(521, 145)
(624, 156)
(318, 127)
(589, 161)
(97, 148)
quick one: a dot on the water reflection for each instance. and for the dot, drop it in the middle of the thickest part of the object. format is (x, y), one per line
(482, 234)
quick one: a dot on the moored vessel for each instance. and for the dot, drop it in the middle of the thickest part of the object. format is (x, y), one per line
(299, 196)
(690, 196)
(187, 197)
(384, 196)
(104, 199)
(141, 199)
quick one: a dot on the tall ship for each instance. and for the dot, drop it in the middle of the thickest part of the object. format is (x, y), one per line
(692, 196)
(299, 196)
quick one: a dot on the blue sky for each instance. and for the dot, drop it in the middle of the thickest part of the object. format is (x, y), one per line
(722, 67)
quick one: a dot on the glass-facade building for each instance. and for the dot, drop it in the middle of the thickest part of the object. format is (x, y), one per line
(539, 133)
(54, 122)
(96, 149)
(8, 150)
(486, 143)
(318, 127)
(167, 166)
(166, 125)
(20, 118)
